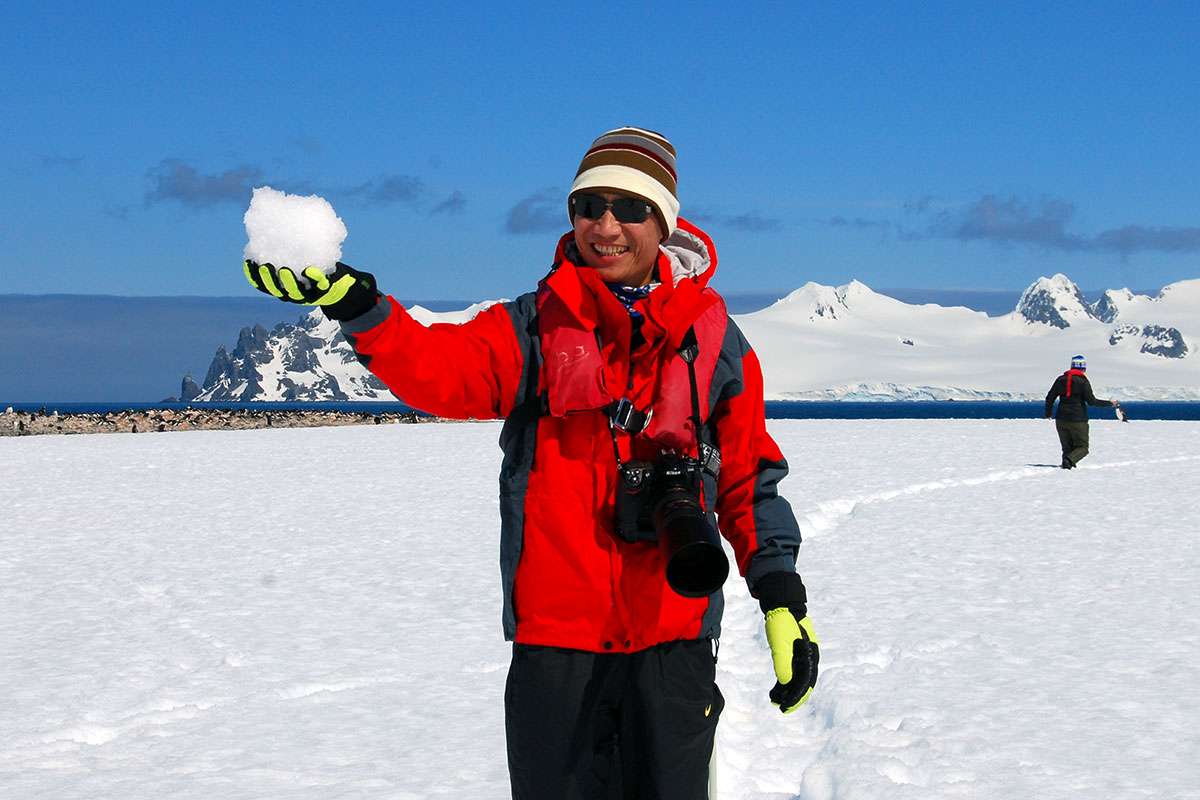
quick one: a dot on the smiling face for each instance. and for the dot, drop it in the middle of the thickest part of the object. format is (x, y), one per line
(620, 252)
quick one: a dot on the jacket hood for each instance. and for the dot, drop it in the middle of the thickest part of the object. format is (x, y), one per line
(691, 254)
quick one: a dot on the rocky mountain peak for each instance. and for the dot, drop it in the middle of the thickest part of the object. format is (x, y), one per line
(1108, 307)
(306, 361)
(1054, 301)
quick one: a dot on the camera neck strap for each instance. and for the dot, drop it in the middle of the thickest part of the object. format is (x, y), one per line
(689, 350)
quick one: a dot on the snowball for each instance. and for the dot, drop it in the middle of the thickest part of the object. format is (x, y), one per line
(288, 230)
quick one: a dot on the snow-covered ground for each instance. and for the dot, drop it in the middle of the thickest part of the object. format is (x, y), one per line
(315, 614)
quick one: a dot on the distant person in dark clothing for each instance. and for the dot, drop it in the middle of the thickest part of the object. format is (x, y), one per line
(1074, 394)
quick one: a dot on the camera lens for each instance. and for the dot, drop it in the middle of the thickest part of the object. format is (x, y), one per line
(696, 563)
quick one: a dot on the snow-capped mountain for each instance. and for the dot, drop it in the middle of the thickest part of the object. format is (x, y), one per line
(827, 343)
(851, 343)
(1056, 302)
(310, 360)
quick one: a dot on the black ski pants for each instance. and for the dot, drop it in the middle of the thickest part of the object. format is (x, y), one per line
(611, 726)
(1073, 436)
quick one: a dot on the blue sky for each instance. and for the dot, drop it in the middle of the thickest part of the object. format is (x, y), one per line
(934, 145)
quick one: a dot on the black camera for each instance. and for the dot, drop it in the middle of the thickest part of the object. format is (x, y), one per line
(660, 502)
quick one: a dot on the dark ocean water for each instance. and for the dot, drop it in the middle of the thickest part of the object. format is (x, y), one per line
(931, 409)
(968, 409)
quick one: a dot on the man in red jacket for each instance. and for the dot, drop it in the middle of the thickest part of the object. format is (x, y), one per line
(634, 420)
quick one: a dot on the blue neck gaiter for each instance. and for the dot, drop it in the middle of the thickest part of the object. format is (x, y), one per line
(628, 295)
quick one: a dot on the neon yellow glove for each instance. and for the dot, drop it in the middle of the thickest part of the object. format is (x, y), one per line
(794, 650)
(795, 653)
(345, 294)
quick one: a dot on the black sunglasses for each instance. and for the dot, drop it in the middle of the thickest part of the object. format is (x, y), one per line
(624, 209)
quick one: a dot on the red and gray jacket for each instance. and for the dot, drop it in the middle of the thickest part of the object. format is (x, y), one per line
(554, 363)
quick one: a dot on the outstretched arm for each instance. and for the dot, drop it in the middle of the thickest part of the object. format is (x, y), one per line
(467, 371)
(459, 371)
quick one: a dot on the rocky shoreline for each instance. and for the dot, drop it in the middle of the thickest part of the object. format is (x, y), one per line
(34, 423)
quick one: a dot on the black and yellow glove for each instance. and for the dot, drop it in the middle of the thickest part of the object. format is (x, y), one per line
(345, 294)
(790, 634)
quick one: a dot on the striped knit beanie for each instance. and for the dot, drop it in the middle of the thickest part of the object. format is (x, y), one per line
(633, 161)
